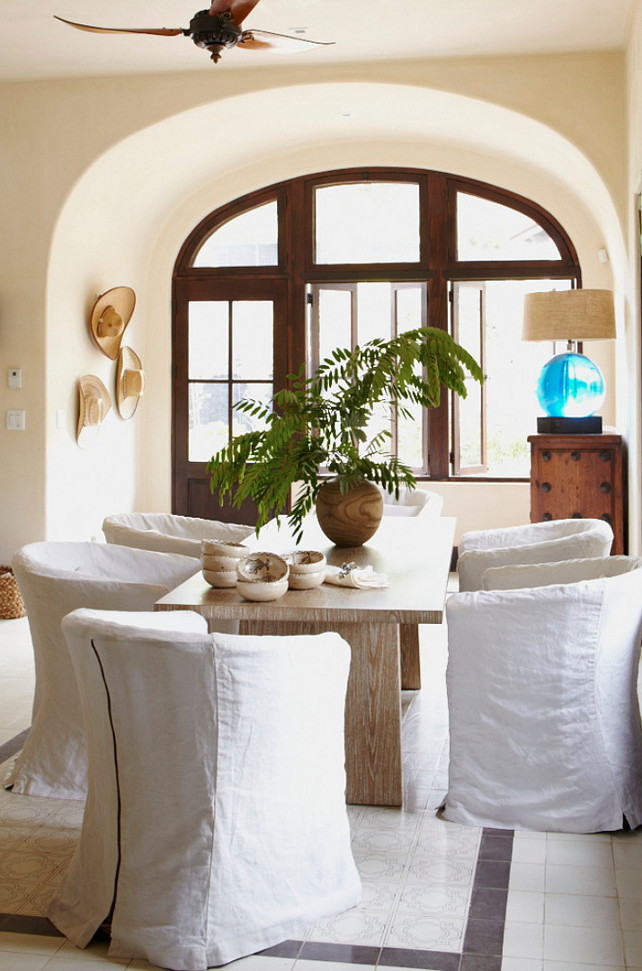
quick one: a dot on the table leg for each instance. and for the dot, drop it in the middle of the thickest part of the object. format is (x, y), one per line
(410, 663)
(373, 707)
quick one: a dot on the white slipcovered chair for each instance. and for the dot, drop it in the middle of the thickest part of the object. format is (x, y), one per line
(566, 571)
(412, 502)
(215, 823)
(545, 727)
(168, 533)
(559, 539)
(55, 578)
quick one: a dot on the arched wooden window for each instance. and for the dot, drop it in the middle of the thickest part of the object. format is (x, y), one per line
(281, 276)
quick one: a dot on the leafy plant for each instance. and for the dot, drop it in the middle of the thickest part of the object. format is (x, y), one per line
(319, 426)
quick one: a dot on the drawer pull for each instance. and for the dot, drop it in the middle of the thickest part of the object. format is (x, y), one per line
(577, 515)
(605, 516)
(547, 517)
(546, 456)
(575, 456)
(605, 487)
(546, 487)
(606, 455)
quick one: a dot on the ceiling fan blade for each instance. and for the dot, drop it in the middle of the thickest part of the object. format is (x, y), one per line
(267, 40)
(238, 8)
(161, 31)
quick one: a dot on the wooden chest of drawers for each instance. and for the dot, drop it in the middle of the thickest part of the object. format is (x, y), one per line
(578, 476)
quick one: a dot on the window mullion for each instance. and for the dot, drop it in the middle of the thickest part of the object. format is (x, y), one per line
(230, 374)
(441, 243)
(483, 417)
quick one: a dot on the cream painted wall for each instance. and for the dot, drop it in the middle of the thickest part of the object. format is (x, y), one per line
(106, 177)
(483, 507)
(23, 266)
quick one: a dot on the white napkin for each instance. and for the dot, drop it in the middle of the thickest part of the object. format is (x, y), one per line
(349, 575)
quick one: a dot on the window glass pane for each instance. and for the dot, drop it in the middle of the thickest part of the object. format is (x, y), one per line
(513, 367)
(250, 239)
(255, 391)
(368, 222)
(470, 439)
(410, 308)
(379, 422)
(374, 309)
(208, 339)
(208, 420)
(335, 320)
(469, 320)
(489, 231)
(410, 438)
(382, 309)
(252, 339)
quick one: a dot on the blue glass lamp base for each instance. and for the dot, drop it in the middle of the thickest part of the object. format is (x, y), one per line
(570, 386)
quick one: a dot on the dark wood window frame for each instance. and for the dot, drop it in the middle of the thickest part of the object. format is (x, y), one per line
(437, 266)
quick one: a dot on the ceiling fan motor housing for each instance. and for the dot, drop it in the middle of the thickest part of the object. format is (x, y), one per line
(218, 31)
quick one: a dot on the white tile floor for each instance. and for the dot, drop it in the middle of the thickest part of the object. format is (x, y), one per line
(574, 902)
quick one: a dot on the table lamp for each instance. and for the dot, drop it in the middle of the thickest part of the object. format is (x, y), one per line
(570, 387)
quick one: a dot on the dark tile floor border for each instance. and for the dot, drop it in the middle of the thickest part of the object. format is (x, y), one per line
(483, 937)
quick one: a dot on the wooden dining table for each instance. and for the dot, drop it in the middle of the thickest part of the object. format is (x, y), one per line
(380, 624)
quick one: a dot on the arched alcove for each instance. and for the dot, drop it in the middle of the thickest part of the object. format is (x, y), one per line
(125, 219)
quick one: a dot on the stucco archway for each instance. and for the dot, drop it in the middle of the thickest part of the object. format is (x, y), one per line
(125, 219)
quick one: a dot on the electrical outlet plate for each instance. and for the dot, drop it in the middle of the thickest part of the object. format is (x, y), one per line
(14, 379)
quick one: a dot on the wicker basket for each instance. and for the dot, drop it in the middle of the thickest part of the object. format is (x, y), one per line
(11, 604)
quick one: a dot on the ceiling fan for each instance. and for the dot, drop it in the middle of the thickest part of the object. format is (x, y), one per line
(217, 29)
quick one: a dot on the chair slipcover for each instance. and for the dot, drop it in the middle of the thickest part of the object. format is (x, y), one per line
(55, 578)
(412, 502)
(167, 533)
(559, 539)
(544, 718)
(216, 822)
(566, 571)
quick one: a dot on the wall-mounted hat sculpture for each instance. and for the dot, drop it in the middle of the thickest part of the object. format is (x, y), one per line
(130, 382)
(110, 315)
(93, 404)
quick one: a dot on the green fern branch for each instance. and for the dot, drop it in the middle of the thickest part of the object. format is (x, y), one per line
(320, 422)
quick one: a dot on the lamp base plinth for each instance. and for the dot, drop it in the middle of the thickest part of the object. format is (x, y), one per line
(556, 425)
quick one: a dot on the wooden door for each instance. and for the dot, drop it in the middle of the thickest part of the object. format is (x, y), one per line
(229, 338)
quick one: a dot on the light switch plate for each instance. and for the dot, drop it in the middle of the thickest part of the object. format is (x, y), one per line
(16, 421)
